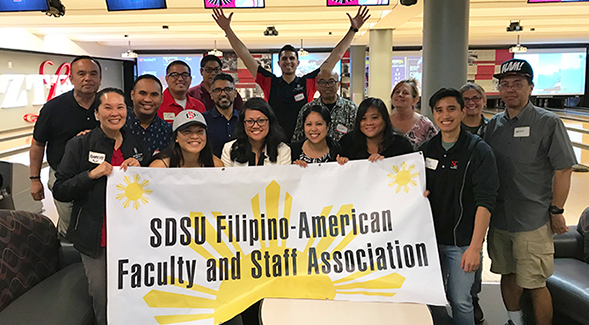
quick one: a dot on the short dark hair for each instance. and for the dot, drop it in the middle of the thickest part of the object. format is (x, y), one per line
(150, 77)
(208, 58)
(86, 57)
(288, 47)
(443, 93)
(324, 112)
(177, 62)
(223, 76)
(105, 91)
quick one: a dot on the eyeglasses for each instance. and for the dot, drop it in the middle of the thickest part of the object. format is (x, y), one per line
(209, 70)
(219, 90)
(329, 82)
(518, 85)
(176, 75)
(260, 121)
(474, 99)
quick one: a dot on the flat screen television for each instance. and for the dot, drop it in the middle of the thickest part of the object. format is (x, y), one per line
(210, 4)
(543, 1)
(156, 65)
(121, 5)
(307, 64)
(23, 5)
(557, 71)
(407, 66)
(337, 3)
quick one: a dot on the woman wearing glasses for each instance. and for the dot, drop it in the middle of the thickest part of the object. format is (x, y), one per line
(475, 100)
(416, 127)
(258, 138)
(373, 137)
(189, 146)
(318, 146)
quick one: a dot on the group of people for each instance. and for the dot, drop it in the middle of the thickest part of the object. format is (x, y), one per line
(510, 175)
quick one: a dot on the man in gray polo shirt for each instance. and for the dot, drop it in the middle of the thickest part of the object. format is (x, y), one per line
(534, 158)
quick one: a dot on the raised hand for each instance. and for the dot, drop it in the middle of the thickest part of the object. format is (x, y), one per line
(223, 21)
(358, 20)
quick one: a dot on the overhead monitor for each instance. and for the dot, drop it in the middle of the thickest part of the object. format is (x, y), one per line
(557, 71)
(156, 65)
(337, 3)
(407, 65)
(210, 4)
(23, 5)
(543, 1)
(121, 5)
(307, 64)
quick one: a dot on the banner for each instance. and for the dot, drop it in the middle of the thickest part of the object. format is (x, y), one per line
(200, 245)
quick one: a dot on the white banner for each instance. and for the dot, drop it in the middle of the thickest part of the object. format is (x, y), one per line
(198, 246)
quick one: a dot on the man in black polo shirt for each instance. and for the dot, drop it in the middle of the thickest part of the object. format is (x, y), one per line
(288, 93)
(142, 120)
(221, 120)
(60, 119)
(462, 178)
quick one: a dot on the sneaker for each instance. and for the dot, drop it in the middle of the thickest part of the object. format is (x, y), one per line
(479, 317)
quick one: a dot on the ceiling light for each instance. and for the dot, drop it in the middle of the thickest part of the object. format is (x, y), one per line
(129, 53)
(270, 31)
(518, 48)
(302, 51)
(214, 51)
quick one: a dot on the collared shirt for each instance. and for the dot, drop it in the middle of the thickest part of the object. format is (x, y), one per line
(156, 137)
(528, 148)
(343, 116)
(61, 119)
(169, 108)
(200, 92)
(219, 129)
(287, 99)
(478, 130)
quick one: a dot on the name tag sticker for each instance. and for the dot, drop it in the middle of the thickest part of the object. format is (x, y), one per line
(96, 157)
(431, 163)
(342, 128)
(169, 115)
(299, 97)
(521, 132)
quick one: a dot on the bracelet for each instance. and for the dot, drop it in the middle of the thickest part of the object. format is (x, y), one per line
(35, 177)
(354, 29)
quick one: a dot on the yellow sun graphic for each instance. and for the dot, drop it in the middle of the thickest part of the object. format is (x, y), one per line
(221, 303)
(403, 178)
(133, 191)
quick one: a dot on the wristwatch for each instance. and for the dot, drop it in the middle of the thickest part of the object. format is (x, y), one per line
(555, 210)
(352, 28)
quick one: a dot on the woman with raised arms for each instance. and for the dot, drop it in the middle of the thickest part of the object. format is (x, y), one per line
(373, 137)
(189, 146)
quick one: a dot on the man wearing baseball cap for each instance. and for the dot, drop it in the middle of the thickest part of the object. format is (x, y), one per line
(534, 159)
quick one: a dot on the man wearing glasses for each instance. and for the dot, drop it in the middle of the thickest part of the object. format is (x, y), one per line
(343, 111)
(178, 78)
(221, 120)
(534, 159)
(210, 66)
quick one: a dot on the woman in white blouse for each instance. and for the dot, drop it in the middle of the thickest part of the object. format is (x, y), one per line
(258, 138)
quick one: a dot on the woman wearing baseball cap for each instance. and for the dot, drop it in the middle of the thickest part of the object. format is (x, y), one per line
(189, 146)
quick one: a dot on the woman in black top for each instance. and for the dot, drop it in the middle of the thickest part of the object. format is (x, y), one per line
(373, 137)
(318, 147)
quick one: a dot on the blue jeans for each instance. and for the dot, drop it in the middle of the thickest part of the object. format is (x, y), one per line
(458, 284)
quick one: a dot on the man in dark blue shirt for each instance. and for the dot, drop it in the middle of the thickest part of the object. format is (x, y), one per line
(221, 120)
(142, 120)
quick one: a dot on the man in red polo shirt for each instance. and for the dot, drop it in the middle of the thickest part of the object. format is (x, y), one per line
(178, 78)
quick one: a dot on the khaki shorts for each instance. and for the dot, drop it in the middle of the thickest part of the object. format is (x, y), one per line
(528, 254)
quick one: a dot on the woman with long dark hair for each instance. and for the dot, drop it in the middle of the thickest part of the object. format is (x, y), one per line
(189, 146)
(318, 147)
(258, 138)
(373, 137)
